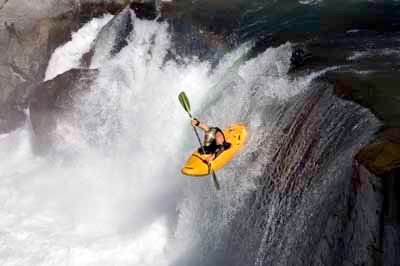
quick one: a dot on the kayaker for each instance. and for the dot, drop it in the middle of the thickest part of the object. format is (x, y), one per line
(214, 140)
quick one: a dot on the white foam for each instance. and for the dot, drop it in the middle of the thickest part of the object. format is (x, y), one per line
(68, 56)
(310, 2)
(373, 52)
(357, 55)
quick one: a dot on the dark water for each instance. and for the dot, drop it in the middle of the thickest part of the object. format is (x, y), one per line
(362, 37)
(255, 19)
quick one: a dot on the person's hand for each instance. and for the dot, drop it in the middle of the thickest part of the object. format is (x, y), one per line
(210, 158)
(195, 122)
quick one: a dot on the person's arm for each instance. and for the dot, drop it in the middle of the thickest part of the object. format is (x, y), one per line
(197, 123)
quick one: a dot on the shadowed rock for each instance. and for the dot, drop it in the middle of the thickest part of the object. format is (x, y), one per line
(27, 44)
(12, 112)
(114, 36)
(144, 10)
(10, 118)
(54, 100)
(111, 39)
(304, 210)
(343, 89)
(383, 155)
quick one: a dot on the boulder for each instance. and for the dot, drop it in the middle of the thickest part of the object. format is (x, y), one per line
(110, 40)
(114, 36)
(383, 155)
(54, 100)
(343, 89)
(144, 9)
(29, 37)
(13, 110)
(299, 58)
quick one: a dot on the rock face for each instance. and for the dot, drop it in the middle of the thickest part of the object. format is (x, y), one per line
(303, 210)
(54, 100)
(371, 80)
(383, 155)
(312, 215)
(111, 39)
(29, 37)
(114, 36)
(382, 158)
(144, 10)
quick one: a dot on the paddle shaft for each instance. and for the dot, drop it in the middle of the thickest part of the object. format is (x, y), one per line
(186, 105)
(197, 135)
(214, 176)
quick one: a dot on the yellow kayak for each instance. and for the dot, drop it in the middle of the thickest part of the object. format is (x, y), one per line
(196, 166)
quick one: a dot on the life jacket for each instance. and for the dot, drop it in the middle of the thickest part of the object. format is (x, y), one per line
(210, 143)
(210, 136)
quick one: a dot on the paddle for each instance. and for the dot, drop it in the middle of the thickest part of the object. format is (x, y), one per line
(183, 99)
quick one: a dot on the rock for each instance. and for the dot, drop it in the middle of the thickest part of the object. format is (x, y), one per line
(382, 158)
(343, 89)
(391, 227)
(299, 58)
(10, 119)
(383, 155)
(144, 10)
(111, 39)
(53, 100)
(12, 112)
(28, 44)
(392, 135)
(303, 199)
(392, 245)
(86, 10)
(168, 9)
(26, 56)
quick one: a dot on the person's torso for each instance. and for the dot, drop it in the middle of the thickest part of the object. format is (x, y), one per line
(210, 137)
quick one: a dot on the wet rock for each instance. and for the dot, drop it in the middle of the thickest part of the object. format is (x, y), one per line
(10, 118)
(168, 9)
(114, 36)
(375, 90)
(304, 199)
(391, 218)
(88, 9)
(144, 9)
(26, 56)
(54, 100)
(392, 245)
(382, 158)
(343, 89)
(22, 64)
(29, 37)
(383, 155)
(13, 110)
(111, 39)
(392, 135)
(299, 58)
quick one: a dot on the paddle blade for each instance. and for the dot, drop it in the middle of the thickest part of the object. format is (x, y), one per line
(183, 99)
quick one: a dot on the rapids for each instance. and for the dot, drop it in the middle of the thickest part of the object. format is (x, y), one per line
(110, 192)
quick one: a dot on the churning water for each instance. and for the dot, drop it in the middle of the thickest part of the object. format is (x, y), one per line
(111, 191)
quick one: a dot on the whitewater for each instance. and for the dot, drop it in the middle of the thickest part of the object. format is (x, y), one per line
(110, 191)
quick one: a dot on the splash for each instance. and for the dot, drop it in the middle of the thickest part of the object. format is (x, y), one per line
(69, 55)
(118, 197)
